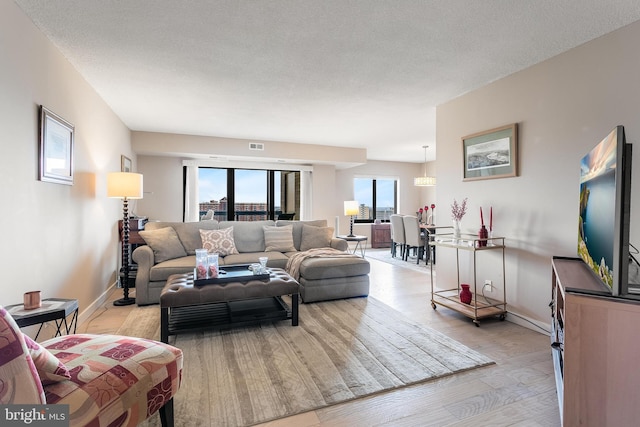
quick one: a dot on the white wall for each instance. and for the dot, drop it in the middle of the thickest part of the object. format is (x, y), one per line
(56, 238)
(162, 188)
(564, 107)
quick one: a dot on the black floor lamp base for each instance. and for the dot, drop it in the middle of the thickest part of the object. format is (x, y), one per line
(124, 301)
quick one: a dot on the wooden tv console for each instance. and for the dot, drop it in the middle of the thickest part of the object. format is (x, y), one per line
(595, 340)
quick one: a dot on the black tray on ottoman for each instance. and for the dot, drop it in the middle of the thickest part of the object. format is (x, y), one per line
(233, 273)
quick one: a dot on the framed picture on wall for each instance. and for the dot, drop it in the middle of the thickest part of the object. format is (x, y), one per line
(56, 148)
(125, 164)
(491, 154)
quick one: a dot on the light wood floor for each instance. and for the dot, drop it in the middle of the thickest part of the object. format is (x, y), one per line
(518, 391)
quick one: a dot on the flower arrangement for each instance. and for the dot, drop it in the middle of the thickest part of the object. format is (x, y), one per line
(458, 210)
(425, 211)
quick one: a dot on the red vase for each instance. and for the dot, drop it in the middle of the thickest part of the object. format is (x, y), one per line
(465, 294)
(483, 234)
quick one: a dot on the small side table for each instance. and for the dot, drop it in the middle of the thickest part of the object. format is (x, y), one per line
(361, 242)
(52, 309)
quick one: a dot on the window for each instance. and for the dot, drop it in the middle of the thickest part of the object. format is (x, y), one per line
(377, 198)
(248, 194)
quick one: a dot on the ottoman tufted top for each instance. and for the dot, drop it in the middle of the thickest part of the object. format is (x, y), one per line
(180, 291)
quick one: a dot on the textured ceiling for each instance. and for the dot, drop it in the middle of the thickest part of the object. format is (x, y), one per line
(355, 73)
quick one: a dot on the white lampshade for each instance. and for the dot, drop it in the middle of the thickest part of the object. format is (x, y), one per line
(124, 185)
(351, 207)
(424, 181)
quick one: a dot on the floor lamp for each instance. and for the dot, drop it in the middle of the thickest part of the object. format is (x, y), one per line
(125, 186)
(351, 209)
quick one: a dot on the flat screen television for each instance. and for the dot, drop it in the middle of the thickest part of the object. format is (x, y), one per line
(603, 229)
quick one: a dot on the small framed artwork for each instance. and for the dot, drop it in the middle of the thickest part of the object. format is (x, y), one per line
(491, 154)
(125, 164)
(56, 148)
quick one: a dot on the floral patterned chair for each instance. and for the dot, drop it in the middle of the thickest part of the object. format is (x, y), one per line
(107, 380)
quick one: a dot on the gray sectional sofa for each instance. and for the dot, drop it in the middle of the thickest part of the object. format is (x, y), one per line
(171, 249)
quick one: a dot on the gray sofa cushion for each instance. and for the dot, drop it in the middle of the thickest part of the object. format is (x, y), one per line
(315, 237)
(164, 243)
(188, 232)
(248, 235)
(329, 268)
(161, 271)
(297, 228)
(276, 259)
(336, 288)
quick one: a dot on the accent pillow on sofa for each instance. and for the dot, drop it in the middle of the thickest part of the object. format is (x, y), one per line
(164, 242)
(219, 241)
(315, 237)
(50, 369)
(278, 239)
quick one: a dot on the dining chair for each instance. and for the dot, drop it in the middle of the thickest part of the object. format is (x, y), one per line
(286, 216)
(397, 233)
(413, 238)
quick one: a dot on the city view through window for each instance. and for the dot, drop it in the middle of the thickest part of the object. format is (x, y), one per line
(376, 198)
(249, 190)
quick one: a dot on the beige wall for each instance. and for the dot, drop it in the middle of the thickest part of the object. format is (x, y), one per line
(59, 239)
(564, 106)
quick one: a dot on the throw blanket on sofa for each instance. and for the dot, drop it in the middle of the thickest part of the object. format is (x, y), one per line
(293, 265)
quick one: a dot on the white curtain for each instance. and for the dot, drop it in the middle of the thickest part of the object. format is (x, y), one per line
(191, 205)
(306, 193)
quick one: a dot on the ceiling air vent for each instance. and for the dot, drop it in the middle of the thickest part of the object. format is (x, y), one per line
(256, 146)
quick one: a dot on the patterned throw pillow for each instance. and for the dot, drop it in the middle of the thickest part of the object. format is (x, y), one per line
(50, 369)
(278, 239)
(315, 237)
(18, 375)
(219, 241)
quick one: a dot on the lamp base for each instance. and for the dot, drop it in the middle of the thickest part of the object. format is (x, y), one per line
(124, 301)
(351, 235)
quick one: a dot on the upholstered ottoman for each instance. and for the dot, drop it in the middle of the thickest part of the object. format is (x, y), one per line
(184, 306)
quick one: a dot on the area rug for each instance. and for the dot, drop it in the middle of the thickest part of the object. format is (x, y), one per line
(384, 255)
(342, 350)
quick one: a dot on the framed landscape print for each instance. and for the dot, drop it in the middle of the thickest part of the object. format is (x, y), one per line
(56, 148)
(491, 154)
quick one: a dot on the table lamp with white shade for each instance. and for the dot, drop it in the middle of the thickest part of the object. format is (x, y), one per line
(351, 209)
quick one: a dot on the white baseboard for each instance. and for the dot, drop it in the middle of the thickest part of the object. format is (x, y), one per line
(87, 312)
(534, 325)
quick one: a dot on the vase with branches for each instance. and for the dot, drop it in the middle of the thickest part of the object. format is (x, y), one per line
(458, 210)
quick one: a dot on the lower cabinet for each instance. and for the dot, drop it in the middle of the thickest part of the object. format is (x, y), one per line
(381, 235)
(596, 345)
